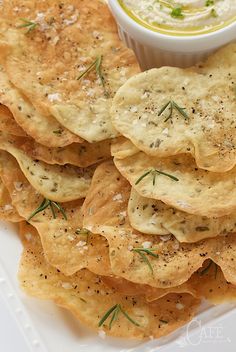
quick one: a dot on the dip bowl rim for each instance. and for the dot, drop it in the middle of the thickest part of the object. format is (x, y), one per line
(188, 43)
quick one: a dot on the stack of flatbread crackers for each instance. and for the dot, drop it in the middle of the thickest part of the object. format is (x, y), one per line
(123, 183)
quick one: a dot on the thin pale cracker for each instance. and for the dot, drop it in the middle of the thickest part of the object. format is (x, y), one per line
(107, 201)
(208, 283)
(65, 246)
(222, 63)
(88, 298)
(197, 191)
(82, 32)
(154, 217)
(44, 128)
(151, 294)
(82, 155)
(207, 99)
(55, 182)
(8, 123)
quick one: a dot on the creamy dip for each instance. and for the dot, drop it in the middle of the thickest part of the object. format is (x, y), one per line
(182, 17)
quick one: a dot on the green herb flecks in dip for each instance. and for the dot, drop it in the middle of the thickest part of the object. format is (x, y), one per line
(182, 17)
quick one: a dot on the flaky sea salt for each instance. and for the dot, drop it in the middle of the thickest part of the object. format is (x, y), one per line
(117, 197)
(165, 132)
(54, 97)
(147, 244)
(179, 306)
(183, 204)
(102, 334)
(71, 20)
(28, 236)
(66, 285)
(134, 109)
(165, 238)
(81, 244)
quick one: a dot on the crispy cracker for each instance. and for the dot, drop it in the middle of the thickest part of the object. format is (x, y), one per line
(222, 63)
(81, 33)
(206, 127)
(208, 283)
(78, 154)
(105, 212)
(66, 247)
(55, 182)
(197, 191)
(82, 155)
(154, 217)
(88, 298)
(44, 128)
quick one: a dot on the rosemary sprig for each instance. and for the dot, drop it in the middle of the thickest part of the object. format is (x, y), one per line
(30, 25)
(208, 267)
(144, 252)
(173, 105)
(115, 311)
(154, 173)
(97, 65)
(52, 205)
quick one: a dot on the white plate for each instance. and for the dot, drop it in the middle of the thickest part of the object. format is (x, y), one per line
(27, 324)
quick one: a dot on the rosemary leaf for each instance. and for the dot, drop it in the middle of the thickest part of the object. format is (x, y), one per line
(167, 175)
(60, 209)
(143, 252)
(106, 315)
(154, 179)
(154, 173)
(173, 105)
(128, 317)
(97, 64)
(53, 211)
(51, 204)
(42, 207)
(93, 64)
(116, 310)
(150, 252)
(163, 108)
(27, 24)
(142, 177)
(180, 110)
(146, 260)
(114, 316)
(170, 114)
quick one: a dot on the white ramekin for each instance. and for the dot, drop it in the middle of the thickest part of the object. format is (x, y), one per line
(155, 49)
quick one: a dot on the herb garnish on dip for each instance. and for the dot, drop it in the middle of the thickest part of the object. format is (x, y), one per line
(182, 17)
